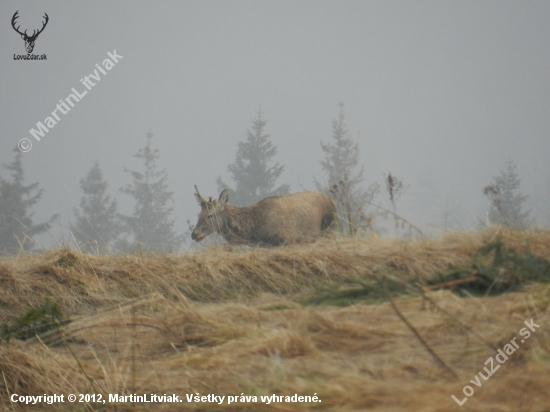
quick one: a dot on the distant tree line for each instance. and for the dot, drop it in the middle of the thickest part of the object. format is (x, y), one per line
(252, 173)
(99, 228)
(17, 227)
(507, 206)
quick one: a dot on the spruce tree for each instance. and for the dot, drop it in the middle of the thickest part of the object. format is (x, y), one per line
(97, 226)
(17, 229)
(345, 176)
(151, 224)
(254, 178)
(507, 202)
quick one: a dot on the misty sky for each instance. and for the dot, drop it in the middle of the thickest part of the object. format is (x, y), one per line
(440, 93)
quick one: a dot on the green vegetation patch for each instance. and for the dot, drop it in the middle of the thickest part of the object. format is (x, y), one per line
(495, 269)
(349, 294)
(33, 322)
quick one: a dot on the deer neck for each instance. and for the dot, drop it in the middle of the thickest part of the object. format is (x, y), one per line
(239, 223)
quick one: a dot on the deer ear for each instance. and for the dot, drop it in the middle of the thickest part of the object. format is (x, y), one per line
(23, 36)
(224, 198)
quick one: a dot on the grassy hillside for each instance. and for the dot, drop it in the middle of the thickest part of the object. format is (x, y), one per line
(363, 324)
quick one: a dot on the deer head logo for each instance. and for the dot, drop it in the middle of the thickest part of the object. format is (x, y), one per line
(29, 40)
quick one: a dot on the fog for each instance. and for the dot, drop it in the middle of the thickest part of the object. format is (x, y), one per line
(441, 94)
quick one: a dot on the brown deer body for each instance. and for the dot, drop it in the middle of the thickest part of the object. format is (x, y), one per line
(273, 221)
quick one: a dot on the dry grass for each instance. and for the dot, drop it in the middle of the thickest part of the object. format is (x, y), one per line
(227, 322)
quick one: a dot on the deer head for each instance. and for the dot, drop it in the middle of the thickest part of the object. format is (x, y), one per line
(211, 216)
(29, 40)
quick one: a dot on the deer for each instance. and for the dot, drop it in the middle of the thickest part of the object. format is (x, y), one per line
(274, 221)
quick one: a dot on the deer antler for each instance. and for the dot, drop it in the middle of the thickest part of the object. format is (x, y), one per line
(15, 16)
(43, 26)
(34, 33)
(203, 200)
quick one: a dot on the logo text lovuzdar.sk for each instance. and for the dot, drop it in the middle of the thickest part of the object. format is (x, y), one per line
(29, 39)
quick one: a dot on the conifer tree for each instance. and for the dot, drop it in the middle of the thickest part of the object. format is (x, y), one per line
(17, 229)
(507, 202)
(345, 176)
(97, 226)
(151, 224)
(254, 178)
